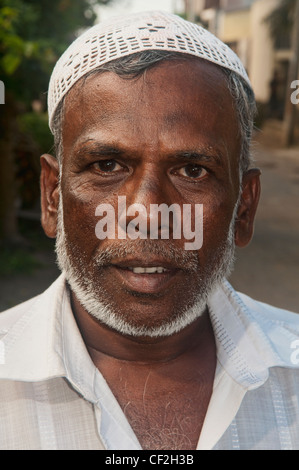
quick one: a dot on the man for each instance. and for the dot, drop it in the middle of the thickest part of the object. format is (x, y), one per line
(141, 343)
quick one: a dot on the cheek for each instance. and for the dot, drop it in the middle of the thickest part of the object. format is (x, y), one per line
(79, 219)
(217, 218)
(80, 202)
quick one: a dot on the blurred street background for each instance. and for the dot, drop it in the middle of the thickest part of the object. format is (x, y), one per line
(265, 35)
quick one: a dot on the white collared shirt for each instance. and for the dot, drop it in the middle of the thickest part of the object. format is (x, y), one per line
(53, 397)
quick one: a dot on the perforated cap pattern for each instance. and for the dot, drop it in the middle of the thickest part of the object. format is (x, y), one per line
(138, 32)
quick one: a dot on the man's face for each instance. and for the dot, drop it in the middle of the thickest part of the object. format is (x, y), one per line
(169, 136)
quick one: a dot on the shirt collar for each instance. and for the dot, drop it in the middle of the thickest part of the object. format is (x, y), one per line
(44, 342)
(251, 337)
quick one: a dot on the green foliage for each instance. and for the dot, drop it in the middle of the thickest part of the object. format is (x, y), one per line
(33, 34)
(36, 126)
(17, 261)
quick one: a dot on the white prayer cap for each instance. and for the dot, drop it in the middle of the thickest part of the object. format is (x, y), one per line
(122, 36)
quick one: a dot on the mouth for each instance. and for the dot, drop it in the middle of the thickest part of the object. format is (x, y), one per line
(147, 269)
(149, 278)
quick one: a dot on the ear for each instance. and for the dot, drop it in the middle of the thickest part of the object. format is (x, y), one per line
(49, 181)
(247, 207)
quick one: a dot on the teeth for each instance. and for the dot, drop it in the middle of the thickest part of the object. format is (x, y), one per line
(148, 270)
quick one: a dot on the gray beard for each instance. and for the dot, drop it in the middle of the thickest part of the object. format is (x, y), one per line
(91, 296)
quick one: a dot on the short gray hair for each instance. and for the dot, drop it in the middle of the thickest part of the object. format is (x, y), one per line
(135, 64)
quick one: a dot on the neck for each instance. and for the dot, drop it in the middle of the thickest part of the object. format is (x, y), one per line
(103, 341)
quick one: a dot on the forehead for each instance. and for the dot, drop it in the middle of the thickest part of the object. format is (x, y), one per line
(188, 99)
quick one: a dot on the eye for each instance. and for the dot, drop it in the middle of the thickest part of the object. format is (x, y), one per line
(107, 166)
(192, 171)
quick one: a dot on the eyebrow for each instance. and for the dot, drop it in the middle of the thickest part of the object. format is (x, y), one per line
(200, 154)
(92, 147)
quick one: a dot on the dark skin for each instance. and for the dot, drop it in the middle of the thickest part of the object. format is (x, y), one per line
(168, 136)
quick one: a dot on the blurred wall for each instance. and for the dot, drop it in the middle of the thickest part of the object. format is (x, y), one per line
(262, 56)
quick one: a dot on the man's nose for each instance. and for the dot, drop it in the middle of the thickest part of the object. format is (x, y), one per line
(146, 196)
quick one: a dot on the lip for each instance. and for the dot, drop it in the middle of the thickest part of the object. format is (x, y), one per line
(131, 262)
(144, 283)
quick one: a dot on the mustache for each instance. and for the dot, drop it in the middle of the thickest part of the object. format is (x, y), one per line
(147, 249)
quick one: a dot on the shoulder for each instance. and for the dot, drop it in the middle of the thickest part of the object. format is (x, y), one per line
(28, 332)
(11, 316)
(268, 314)
(280, 330)
(260, 332)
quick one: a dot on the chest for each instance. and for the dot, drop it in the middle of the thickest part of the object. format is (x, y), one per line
(164, 414)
